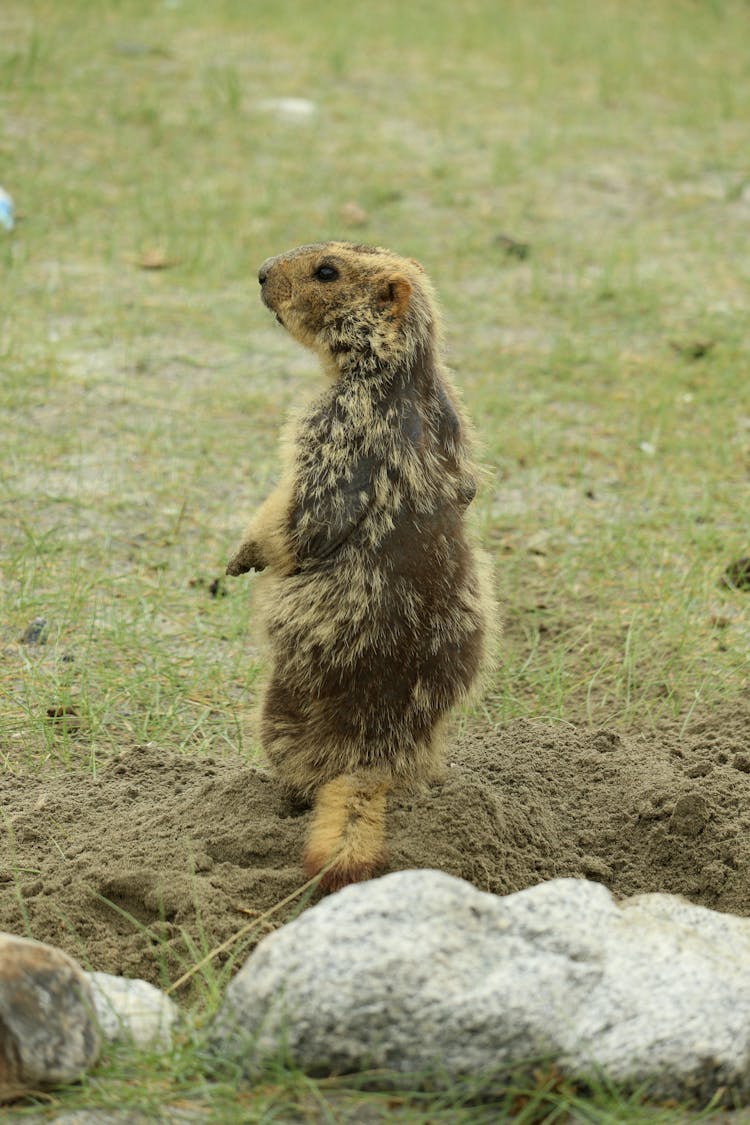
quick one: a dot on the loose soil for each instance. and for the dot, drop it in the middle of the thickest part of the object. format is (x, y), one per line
(150, 864)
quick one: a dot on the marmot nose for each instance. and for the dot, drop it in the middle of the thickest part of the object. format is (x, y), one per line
(265, 269)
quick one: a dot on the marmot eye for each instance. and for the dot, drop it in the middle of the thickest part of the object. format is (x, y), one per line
(326, 273)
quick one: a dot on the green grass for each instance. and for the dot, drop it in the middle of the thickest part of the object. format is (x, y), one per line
(141, 407)
(177, 1083)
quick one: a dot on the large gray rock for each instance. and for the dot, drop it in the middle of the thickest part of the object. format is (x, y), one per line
(133, 1011)
(48, 1031)
(419, 972)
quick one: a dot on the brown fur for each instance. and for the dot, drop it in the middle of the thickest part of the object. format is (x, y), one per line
(377, 606)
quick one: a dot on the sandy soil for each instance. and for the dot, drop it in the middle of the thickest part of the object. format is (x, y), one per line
(125, 871)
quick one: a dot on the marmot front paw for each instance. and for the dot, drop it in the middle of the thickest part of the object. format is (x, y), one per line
(247, 558)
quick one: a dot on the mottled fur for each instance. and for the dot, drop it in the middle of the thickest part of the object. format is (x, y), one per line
(376, 604)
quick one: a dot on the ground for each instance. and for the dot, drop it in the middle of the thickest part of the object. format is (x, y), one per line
(144, 869)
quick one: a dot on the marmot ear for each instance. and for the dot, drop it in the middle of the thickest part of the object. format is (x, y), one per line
(395, 291)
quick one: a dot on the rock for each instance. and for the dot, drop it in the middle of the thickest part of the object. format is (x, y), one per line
(289, 109)
(48, 1032)
(34, 633)
(133, 1011)
(422, 974)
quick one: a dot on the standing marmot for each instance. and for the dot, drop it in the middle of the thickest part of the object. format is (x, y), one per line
(375, 606)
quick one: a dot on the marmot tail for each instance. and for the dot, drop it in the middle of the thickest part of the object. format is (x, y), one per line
(347, 833)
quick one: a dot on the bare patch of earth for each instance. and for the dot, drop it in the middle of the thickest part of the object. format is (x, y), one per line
(155, 861)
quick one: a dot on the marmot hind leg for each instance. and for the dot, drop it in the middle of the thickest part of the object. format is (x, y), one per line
(346, 839)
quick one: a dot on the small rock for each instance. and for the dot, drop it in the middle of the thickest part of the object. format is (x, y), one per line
(133, 1011)
(289, 109)
(48, 1033)
(33, 634)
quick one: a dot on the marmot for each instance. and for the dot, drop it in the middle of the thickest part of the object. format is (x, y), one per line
(377, 607)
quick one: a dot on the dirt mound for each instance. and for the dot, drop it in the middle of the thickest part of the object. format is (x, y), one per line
(146, 867)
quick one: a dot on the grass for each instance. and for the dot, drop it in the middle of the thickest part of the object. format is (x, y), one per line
(177, 1085)
(606, 370)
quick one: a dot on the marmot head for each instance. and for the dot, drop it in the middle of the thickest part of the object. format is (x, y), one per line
(362, 308)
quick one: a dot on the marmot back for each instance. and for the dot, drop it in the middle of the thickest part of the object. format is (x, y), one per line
(376, 604)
